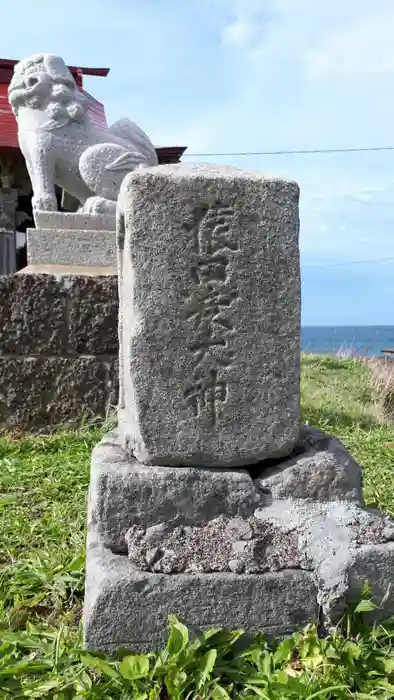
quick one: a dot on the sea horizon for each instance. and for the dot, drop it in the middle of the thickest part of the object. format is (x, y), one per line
(347, 340)
(346, 325)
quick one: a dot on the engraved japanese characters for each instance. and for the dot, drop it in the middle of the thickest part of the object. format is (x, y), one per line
(209, 331)
(62, 147)
(209, 309)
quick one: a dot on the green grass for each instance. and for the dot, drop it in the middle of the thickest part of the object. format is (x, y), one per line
(43, 487)
(339, 397)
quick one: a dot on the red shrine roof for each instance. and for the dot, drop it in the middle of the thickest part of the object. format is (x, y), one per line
(95, 110)
(7, 64)
(8, 128)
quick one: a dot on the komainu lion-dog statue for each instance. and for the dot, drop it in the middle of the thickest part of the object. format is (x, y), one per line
(63, 147)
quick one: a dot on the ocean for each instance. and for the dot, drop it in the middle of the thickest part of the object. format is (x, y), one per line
(358, 340)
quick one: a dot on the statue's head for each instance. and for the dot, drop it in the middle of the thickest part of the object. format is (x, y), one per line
(44, 82)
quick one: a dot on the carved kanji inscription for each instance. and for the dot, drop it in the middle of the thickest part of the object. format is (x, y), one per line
(210, 316)
(208, 309)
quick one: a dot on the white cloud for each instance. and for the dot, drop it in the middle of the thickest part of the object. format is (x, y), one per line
(363, 48)
(314, 75)
(247, 23)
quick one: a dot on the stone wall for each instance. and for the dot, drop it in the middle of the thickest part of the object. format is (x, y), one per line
(58, 349)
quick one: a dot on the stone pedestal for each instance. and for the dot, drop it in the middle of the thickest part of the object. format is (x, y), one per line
(229, 548)
(73, 240)
(59, 325)
(128, 608)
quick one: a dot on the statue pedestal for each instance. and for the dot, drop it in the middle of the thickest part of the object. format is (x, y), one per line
(56, 220)
(72, 239)
(59, 347)
(74, 270)
(71, 247)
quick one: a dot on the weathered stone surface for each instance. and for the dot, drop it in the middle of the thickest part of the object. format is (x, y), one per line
(124, 492)
(344, 545)
(93, 315)
(321, 470)
(199, 546)
(58, 348)
(375, 565)
(210, 315)
(125, 607)
(42, 392)
(72, 247)
(59, 315)
(223, 544)
(113, 384)
(191, 496)
(32, 315)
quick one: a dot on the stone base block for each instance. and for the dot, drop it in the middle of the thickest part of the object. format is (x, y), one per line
(125, 607)
(320, 469)
(71, 247)
(375, 565)
(125, 493)
(269, 549)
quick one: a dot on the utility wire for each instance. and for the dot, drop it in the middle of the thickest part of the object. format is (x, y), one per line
(305, 152)
(351, 262)
(288, 153)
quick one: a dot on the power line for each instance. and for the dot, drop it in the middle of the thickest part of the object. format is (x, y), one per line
(305, 152)
(288, 153)
(352, 262)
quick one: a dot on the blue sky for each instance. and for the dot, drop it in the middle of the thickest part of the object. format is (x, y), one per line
(257, 75)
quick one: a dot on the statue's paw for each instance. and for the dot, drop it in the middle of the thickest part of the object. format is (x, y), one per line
(46, 202)
(98, 205)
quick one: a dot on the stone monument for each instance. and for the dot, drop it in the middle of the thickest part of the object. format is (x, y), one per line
(214, 337)
(210, 500)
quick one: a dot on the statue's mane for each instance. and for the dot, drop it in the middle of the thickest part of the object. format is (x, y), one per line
(55, 93)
